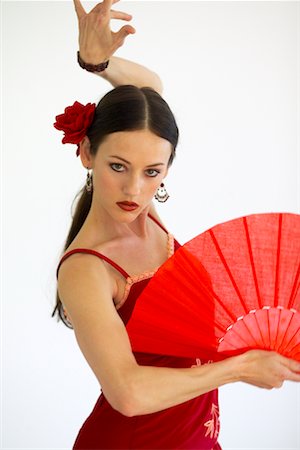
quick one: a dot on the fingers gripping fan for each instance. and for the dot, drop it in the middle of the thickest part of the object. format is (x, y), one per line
(232, 288)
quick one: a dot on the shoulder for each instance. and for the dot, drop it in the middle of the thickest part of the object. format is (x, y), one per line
(82, 276)
(84, 265)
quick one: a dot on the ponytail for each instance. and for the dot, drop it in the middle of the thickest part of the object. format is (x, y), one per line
(81, 211)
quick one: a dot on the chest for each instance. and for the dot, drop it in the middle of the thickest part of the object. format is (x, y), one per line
(137, 256)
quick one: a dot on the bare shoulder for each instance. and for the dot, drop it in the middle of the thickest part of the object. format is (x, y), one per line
(82, 273)
(86, 289)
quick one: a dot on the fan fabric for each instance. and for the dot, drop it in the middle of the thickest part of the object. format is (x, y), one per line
(232, 288)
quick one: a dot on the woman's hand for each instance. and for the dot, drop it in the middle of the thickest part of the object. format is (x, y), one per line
(97, 43)
(267, 369)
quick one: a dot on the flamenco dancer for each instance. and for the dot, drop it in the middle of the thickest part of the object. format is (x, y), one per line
(116, 243)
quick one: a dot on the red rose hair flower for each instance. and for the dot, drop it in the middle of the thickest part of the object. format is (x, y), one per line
(74, 122)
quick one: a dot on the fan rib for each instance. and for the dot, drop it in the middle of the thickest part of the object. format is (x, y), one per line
(278, 261)
(252, 261)
(297, 343)
(221, 256)
(276, 288)
(237, 346)
(269, 330)
(280, 308)
(253, 270)
(227, 269)
(280, 349)
(294, 289)
(232, 316)
(209, 291)
(258, 327)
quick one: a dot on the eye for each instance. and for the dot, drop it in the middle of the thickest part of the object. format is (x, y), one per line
(152, 172)
(117, 167)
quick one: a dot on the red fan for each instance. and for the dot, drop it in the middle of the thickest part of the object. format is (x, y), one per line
(232, 288)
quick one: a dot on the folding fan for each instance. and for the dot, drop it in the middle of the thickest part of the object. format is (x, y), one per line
(232, 288)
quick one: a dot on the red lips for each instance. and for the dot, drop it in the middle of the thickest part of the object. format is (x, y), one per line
(128, 206)
(128, 203)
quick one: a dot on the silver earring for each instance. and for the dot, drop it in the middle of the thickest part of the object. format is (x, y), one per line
(88, 183)
(161, 194)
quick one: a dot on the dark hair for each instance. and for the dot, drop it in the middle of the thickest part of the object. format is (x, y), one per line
(125, 108)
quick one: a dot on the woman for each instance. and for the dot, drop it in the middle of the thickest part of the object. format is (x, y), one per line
(115, 244)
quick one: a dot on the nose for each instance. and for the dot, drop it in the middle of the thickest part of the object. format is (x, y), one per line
(132, 186)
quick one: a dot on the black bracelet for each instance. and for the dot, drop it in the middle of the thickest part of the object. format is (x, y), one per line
(92, 67)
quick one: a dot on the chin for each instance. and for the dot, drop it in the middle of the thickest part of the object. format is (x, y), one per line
(126, 216)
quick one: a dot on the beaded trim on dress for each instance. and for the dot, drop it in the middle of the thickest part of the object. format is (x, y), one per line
(147, 274)
(136, 278)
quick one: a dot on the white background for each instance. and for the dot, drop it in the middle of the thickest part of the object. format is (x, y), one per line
(231, 75)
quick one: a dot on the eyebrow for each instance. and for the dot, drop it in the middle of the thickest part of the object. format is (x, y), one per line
(150, 165)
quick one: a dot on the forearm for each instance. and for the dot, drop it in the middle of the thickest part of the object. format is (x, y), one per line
(97, 43)
(122, 71)
(157, 388)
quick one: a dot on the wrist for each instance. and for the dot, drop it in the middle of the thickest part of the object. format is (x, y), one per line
(232, 369)
(239, 367)
(221, 372)
(90, 66)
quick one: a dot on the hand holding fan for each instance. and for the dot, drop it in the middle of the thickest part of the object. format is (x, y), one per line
(233, 288)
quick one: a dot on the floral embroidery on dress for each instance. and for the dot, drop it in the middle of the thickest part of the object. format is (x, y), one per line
(213, 424)
(198, 363)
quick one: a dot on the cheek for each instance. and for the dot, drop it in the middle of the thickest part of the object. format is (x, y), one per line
(153, 184)
(105, 181)
(152, 191)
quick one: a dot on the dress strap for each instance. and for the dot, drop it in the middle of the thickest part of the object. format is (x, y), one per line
(158, 223)
(100, 255)
(92, 252)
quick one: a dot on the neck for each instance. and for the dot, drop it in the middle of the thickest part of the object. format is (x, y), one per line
(99, 222)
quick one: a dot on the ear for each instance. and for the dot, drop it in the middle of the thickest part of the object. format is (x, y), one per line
(85, 154)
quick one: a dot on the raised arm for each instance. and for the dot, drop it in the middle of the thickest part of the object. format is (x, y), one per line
(98, 43)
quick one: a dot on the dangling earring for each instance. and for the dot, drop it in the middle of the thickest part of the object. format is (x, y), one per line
(161, 194)
(88, 183)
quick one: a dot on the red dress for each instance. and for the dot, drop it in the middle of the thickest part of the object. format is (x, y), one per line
(190, 425)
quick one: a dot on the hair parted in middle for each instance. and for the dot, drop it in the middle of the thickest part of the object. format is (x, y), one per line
(129, 108)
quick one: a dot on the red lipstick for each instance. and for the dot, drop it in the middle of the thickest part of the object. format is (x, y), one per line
(128, 206)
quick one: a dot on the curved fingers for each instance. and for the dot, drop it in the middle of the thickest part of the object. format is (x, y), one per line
(292, 364)
(120, 15)
(286, 369)
(289, 363)
(122, 34)
(294, 377)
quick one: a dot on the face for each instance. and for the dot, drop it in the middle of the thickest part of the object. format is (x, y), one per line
(129, 167)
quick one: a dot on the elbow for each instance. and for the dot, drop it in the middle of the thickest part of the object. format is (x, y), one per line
(127, 408)
(154, 82)
(125, 402)
(132, 403)
(158, 85)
